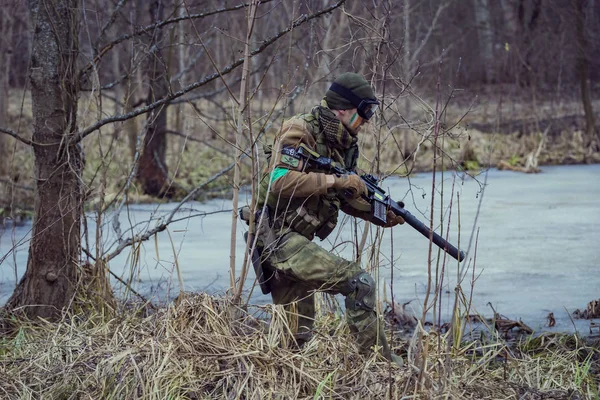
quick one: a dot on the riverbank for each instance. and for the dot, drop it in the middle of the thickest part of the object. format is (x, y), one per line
(514, 152)
(202, 347)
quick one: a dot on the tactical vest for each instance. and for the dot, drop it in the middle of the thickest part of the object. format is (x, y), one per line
(316, 215)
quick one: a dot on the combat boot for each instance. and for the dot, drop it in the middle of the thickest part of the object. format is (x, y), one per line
(387, 352)
(398, 360)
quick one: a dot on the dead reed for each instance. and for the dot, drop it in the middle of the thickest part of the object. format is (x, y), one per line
(203, 347)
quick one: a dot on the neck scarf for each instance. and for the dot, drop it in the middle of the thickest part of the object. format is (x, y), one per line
(337, 136)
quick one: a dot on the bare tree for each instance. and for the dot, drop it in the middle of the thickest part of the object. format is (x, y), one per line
(6, 50)
(486, 38)
(49, 281)
(529, 17)
(583, 73)
(152, 170)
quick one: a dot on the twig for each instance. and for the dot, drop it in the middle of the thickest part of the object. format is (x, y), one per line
(243, 108)
(11, 183)
(16, 136)
(110, 22)
(167, 99)
(121, 280)
(140, 238)
(116, 223)
(128, 242)
(156, 25)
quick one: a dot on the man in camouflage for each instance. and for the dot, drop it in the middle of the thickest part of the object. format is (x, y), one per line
(304, 203)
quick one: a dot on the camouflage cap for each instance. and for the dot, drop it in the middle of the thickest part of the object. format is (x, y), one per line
(353, 82)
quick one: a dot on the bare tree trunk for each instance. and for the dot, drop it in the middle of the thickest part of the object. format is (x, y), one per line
(134, 85)
(485, 36)
(49, 281)
(510, 31)
(6, 32)
(510, 19)
(408, 73)
(329, 43)
(152, 171)
(413, 49)
(583, 72)
(119, 95)
(243, 119)
(528, 14)
(132, 125)
(181, 57)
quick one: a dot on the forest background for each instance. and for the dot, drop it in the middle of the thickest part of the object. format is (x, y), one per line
(103, 103)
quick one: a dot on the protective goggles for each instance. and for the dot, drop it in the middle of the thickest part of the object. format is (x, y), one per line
(365, 107)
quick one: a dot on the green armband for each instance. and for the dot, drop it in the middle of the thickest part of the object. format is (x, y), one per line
(278, 173)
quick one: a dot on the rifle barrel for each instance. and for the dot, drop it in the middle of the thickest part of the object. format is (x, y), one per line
(425, 231)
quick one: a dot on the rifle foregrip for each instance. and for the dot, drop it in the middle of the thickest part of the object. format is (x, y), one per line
(437, 239)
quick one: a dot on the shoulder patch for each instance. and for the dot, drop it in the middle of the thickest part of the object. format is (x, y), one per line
(289, 160)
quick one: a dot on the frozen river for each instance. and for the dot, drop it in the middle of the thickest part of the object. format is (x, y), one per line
(538, 248)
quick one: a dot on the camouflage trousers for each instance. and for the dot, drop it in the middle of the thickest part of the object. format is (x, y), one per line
(303, 267)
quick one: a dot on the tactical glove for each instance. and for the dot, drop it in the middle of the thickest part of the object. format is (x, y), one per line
(350, 185)
(393, 219)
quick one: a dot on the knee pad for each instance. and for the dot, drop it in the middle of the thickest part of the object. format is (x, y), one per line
(362, 292)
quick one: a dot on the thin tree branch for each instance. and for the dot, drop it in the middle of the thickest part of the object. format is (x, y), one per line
(11, 183)
(118, 278)
(191, 195)
(190, 65)
(416, 53)
(210, 58)
(156, 25)
(193, 139)
(147, 235)
(165, 100)
(110, 22)
(16, 136)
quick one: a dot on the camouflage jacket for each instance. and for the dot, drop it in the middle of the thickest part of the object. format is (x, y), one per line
(298, 197)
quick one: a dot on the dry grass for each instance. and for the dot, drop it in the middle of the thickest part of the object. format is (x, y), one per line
(201, 347)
